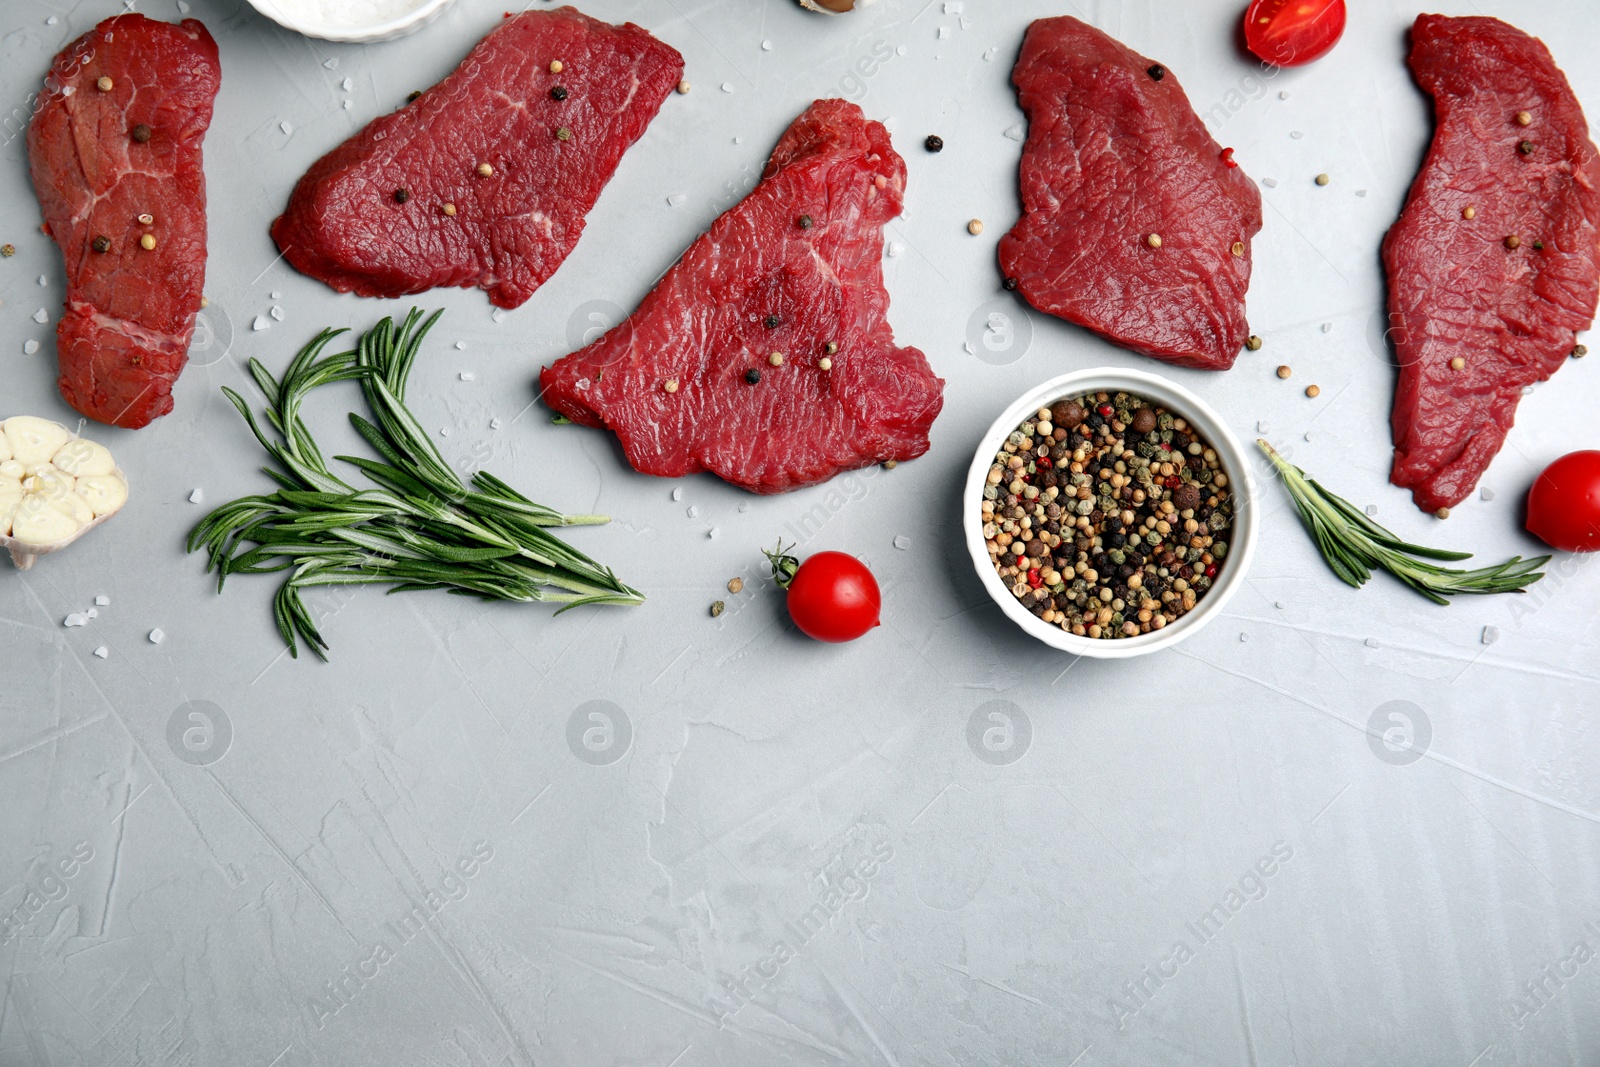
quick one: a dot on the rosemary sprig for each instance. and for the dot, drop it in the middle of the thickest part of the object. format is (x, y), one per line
(421, 528)
(1354, 545)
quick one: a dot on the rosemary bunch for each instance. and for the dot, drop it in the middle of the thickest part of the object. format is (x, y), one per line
(1354, 545)
(422, 527)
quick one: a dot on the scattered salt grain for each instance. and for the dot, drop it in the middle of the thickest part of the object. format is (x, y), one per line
(285, 127)
(677, 492)
(77, 618)
(1490, 635)
(1014, 132)
(766, 46)
(444, 431)
(43, 281)
(1361, 192)
(954, 7)
(727, 87)
(745, 506)
(30, 347)
(261, 323)
(944, 33)
(277, 313)
(277, 295)
(347, 85)
(1296, 134)
(895, 248)
(1284, 95)
(41, 316)
(1372, 509)
(968, 346)
(675, 199)
(1262, 426)
(692, 512)
(1486, 493)
(902, 542)
(157, 636)
(51, 21)
(1278, 604)
(331, 63)
(347, 105)
(1244, 637)
(1307, 435)
(1372, 642)
(103, 652)
(712, 533)
(1327, 327)
(900, 50)
(103, 600)
(197, 496)
(498, 315)
(461, 346)
(93, 613)
(988, 56)
(468, 376)
(1270, 183)
(494, 424)
(183, 7)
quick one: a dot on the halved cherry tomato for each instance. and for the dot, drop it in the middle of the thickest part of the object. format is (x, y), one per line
(1564, 503)
(1290, 33)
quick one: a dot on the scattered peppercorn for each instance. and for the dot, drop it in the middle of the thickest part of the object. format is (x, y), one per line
(776, 359)
(1578, 351)
(413, 96)
(1538, 246)
(485, 170)
(1157, 72)
(147, 219)
(1469, 212)
(772, 322)
(7, 251)
(1313, 391)
(753, 376)
(101, 244)
(563, 134)
(806, 222)
(450, 210)
(1154, 240)
(736, 585)
(1238, 249)
(832, 348)
(1526, 148)
(556, 66)
(147, 242)
(401, 196)
(975, 227)
(104, 84)
(1524, 118)
(1009, 285)
(683, 86)
(1253, 343)
(1443, 513)
(1513, 241)
(1323, 179)
(1068, 414)
(1458, 363)
(1228, 160)
(671, 386)
(824, 363)
(934, 143)
(890, 464)
(141, 133)
(1144, 420)
(1285, 370)
(717, 608)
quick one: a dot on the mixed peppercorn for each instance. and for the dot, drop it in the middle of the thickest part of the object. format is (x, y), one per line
(1106, 515)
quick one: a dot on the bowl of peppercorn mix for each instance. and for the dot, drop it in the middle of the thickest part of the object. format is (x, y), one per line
(1110, 513)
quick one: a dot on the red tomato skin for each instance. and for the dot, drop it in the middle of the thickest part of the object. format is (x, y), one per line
(1564, 503)
(1295, 32)
(834, 598)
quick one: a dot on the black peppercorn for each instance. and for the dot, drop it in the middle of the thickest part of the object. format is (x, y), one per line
(806, 222)
(558, 93)
(773, 322)
(102, 244)
(141, 133)
(412, 96)
(934, 143)
(1010, 285)
(401, 196)
(1157, 72)
(753, 375)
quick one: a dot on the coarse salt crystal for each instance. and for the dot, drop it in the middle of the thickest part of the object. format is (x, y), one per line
(1014, 132)
(1296, 134)
(1486, 493)
(1262, 426)
(43, 281)
(30, 347)
(77, 618)
(675, 199)
(677, 492)
(1490, 635)
(895, 248)
(1270, 183)
(347, 84)
(261, 323)
(727, 87)
(1372, 642)
(93, 613)
(1327, 327)
(461, 346)
(157, 636)
(766, 46)
(1372, 509)
(468, 376)
(494, 424)
(41, 316)
(444, 431)
(103, 652)
(347, 105)
(712, 533)
(745, 506)
(285, 127)
(196, 496)
(902, 542)
(103, 600)
(693, 511)
(276, 313)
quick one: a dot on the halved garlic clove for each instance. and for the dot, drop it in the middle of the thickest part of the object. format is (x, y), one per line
(34, 440)
(104, 493)
(54, 487)
(81, 458)
(38, 523)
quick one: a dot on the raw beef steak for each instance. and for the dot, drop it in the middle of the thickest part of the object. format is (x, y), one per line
(115, 155)
(1493, 260)
(485, 179)
(1135, 222)
(764, 356)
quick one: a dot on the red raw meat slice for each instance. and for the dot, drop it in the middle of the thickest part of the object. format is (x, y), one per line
(794, 269)
(1114, 155)
(402, 206)
(1456, 290)
(130, 310)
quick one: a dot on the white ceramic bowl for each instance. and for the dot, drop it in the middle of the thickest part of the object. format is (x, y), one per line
(1235, 463)
(388, 30)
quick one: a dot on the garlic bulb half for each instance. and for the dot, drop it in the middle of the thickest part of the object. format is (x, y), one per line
(54, 487)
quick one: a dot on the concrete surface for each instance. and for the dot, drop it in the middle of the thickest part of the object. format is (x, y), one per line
(481, 835)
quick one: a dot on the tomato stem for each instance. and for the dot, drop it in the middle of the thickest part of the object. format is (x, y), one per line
(784, 565)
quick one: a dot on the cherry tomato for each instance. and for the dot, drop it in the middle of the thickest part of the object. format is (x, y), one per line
(1564, 503)
(1290, 33)
(833, 597)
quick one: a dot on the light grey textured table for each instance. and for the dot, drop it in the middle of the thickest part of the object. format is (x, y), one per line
(768, 851)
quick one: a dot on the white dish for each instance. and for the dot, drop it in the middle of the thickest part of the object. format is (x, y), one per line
(387, 30)
(1235, 463)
